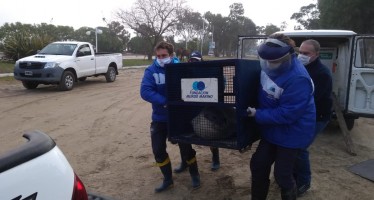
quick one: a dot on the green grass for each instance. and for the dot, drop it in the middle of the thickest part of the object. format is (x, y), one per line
(136, 62)
(6, 67)
(7, 79)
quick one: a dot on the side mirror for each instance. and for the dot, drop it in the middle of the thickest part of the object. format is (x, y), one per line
(80, 54)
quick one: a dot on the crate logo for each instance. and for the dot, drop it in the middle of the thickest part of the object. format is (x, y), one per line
(198, 85)
(199, 89)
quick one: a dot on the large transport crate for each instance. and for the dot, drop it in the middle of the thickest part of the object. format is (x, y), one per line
(200, 93)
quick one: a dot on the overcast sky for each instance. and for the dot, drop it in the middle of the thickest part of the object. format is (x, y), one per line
(79, 13)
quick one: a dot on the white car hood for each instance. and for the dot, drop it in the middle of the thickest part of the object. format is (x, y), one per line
(45, 58)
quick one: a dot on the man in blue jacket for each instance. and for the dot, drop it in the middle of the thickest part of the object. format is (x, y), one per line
(322, 79)
(153, 90)
(286, 116)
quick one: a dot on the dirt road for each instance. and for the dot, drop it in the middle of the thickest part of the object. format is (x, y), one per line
(103, 129)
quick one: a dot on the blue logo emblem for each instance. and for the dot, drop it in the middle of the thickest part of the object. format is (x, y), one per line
(198, 85)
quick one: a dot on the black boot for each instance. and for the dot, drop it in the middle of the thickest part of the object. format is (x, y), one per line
(260, 189)
(168, 179)
(289, 194)
(182, 167)
(215, 158)
(194, 172)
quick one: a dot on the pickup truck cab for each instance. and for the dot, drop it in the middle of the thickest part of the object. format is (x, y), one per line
(349, 56)
(64, 63)
(38, 170)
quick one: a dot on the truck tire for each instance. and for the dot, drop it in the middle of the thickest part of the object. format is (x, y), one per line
(110, 75)
(67, 81)
(30, 84)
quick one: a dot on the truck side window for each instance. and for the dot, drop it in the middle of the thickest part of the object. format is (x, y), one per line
(84, 50)
(365, 53)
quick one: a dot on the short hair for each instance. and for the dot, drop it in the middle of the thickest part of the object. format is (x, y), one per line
(283, 38)
(165, 45)
(314, 43)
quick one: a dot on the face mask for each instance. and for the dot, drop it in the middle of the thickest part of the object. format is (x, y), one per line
(303, 59)
(163, 61)
(269, 66)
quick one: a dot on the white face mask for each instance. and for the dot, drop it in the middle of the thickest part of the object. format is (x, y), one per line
(304, 59)
(163, 61)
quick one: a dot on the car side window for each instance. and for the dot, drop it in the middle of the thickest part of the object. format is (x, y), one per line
(84, 50)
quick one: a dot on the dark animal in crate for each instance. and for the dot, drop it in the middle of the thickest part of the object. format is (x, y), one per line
(215, 123)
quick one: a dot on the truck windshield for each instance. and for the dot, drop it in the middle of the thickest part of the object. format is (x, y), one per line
(58, 49)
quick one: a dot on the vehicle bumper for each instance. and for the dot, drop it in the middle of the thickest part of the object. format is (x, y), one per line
(48, 75)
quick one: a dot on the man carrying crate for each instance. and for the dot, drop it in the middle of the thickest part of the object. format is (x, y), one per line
(153, 90)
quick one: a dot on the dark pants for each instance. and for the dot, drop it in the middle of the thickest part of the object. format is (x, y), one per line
(303, 172)
(284, 160)
(159, 134)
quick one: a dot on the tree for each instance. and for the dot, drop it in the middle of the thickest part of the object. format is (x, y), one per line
(347, 14)
(20, 40)
(151, 19)
(268, 29)
(238, 25)
(189, 25)
(120, 32)
(139, 45)
(307, 17)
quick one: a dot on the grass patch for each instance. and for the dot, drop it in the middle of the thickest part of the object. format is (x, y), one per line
(7, 79)
(136, 62)
(6, 67)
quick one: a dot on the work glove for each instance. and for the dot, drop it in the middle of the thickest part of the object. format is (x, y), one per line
(251, 112)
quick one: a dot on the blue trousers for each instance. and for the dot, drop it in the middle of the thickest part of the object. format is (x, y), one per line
(284, 161)
(159, 135)
(303, 174)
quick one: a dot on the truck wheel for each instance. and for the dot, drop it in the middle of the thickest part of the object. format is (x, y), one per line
(350, 122)
(30, 84)
(110, 75)
(67, 81)
(82, 79)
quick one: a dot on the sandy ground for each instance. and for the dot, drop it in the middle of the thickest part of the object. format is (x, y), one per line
(103, 129)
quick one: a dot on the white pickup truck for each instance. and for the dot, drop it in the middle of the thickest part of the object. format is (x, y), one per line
(64, 63)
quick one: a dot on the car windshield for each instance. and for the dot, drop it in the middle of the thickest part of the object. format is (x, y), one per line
(58, 49)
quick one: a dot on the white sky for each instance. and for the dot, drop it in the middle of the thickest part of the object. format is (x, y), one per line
(79, 13)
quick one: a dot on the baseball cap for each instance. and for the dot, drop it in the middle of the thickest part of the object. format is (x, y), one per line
(273, 49)
(196, 55)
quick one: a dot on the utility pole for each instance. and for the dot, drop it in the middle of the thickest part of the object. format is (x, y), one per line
(202, 38)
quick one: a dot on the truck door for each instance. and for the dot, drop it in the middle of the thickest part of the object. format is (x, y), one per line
(247, 48)
(85, 61)
(361, 85)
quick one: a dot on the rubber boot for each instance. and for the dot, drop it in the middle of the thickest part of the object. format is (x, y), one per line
(194, 172)
(289, 194)
(215, 158)
(260, 189)
(168, 179)
(182, 167)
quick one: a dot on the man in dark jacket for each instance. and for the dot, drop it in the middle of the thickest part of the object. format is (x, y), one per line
(322, 79)
(153, 90)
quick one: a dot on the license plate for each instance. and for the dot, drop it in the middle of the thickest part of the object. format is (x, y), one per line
(28, 73)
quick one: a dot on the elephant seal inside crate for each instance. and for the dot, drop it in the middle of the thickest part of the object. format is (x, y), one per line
(215, 123)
